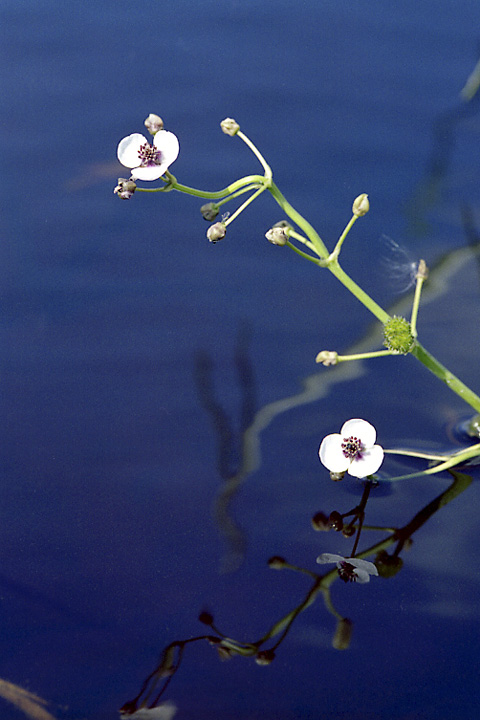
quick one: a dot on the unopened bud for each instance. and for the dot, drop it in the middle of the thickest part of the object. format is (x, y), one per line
(277, 236)
(153, 123)
(335, 521)
(327, 357)
(422, 270)
(320, 522)
(277, 562)
(209, 211)
(348, 531)
(264, 657)
(125, 188)
(337, 476)
(206, 618)
(361, 205)
(216, 232)
(343, 634)
(388, 565)
(398, 335)
(230, 126)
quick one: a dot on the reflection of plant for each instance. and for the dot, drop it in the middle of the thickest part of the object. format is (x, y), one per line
(350, 569)
(265, 648)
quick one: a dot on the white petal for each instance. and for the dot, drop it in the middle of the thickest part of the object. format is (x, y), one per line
(364, 565)
(329, 558)
(368, 464)
(168, 145)
(127, 151)
(331, 454)
(360, 429)
(361, 575)
(152, 172)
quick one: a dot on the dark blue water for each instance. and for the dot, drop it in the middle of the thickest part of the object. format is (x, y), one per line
(114, 312)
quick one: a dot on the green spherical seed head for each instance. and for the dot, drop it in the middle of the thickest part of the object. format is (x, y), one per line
(398, 335)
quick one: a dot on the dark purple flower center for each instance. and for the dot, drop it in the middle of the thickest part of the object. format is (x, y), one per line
(347, 572)
(352, 448)
(149, 155)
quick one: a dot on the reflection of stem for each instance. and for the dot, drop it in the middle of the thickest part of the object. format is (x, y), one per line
(360, 513)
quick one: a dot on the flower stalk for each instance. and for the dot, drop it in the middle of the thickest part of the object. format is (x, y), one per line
(151, 162)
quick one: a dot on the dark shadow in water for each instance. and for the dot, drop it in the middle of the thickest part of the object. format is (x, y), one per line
(230, 443)
(443, 144)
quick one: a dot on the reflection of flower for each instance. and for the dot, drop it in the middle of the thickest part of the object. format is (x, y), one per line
(350, 569)
(352, 450)
(164, 711)
(148, 162)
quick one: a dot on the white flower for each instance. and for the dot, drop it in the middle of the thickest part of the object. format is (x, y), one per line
(148, 162)
(350, 569)
(353, 450)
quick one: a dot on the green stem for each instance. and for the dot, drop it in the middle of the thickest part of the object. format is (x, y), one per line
(357, 291)
(308, 229)
(301, 253)
(364, 356)
(249, 179)
(257, 153)
(446, 376)
(338, 246)
(245, 204)
(455, 459)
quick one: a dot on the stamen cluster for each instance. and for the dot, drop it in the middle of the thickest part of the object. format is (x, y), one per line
(352, 447)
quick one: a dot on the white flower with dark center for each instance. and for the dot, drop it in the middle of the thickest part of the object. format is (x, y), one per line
(148, 162)
(350, 569)
(352, 450)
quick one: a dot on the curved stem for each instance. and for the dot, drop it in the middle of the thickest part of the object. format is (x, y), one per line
(174, 185)
(308, 229)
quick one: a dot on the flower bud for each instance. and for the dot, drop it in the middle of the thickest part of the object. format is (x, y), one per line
(277, 563)
(125, 188)
(230, 126)
(153, 123)
(216, 232)
(337, 476)
(327, 357)
(277, 236)
(320, 522)
(209, 211)
(422, 270)
(335, 521)
(343, 634)
(206, 618)
(361, 205)
(264, 657)
(398, 335)
(388, 565)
